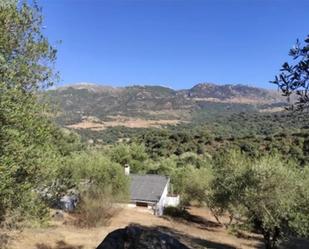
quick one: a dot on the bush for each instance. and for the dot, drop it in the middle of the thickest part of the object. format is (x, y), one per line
(95, 169)
(96, 208)
(100, 181)
(176, 212)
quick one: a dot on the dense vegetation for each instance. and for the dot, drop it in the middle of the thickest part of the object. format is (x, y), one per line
(253, 133)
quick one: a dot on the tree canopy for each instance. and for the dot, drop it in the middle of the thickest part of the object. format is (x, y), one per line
(27, 145)
(294, 78)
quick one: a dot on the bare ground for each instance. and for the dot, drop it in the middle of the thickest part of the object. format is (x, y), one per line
(126, 122)
(202, 231)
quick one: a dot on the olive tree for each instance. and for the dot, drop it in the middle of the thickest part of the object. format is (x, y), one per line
(294, 78)
(267, 194)
(231, 176)
(272, 201)
(26, 143)
(133, 154)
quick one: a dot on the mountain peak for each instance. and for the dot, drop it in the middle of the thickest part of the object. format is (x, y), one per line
(234, 93)
(91, 87)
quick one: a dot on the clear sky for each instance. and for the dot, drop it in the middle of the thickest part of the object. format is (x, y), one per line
(175, 43)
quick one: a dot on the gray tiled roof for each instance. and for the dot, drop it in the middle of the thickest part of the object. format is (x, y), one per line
(147, 188)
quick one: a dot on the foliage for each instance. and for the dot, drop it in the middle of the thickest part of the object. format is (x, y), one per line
(267, 193)
(193, 184)
(256, 134)
(26, 140)
(133, 154)
(229, 182)
(67, 141)
(94, 169)
(95, 208)
(270, 201)
(100, 182)
(294, 78)
(300, 217)
(162, 143)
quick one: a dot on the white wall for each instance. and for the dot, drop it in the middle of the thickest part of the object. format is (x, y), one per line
(172, 201)
(160, 204)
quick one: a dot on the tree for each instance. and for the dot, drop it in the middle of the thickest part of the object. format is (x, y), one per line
(97, 169)
(294, 78)
(100, 182)
(192, 184)
(276, 201)
(26, 140)
(231, 176)
(268, 194)
(133, 154)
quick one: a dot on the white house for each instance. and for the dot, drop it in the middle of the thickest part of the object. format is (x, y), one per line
(151, 191)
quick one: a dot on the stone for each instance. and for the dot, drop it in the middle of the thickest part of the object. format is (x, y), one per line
(68, 202)
(136, 237)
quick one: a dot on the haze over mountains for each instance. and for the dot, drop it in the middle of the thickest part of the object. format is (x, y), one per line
(97, 107)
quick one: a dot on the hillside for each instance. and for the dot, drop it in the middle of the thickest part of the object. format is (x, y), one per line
(96, 107)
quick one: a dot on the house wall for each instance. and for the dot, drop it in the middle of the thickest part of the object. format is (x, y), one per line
(172, 201)
(160, 204)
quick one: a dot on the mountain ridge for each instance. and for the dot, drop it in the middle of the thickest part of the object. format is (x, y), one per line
(83, 84)
(111, 106)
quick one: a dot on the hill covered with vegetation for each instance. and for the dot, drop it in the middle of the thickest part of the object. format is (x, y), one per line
(104, 114)
(79, 103)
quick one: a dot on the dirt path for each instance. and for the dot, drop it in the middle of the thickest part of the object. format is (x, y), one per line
(200, 232)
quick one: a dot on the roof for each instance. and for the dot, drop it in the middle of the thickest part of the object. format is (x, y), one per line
(148, 188)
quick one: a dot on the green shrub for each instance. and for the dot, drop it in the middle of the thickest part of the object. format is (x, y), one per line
(95, 169)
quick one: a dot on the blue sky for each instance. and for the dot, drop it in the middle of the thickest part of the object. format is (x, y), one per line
(175, 43)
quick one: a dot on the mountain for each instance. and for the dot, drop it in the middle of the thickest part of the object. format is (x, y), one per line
(233, 94)
(95, 107)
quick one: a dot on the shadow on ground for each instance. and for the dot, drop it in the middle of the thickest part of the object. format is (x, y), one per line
(295, 244)
(190, 241)
(198, 221)
(59, 245)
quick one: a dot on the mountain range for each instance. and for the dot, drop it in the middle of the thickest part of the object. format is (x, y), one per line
(96, 107)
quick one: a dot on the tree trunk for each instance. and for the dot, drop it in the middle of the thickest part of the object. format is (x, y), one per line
(271, 238)
(216, 217)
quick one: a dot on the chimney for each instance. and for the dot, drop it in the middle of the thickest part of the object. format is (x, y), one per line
(127, 169)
